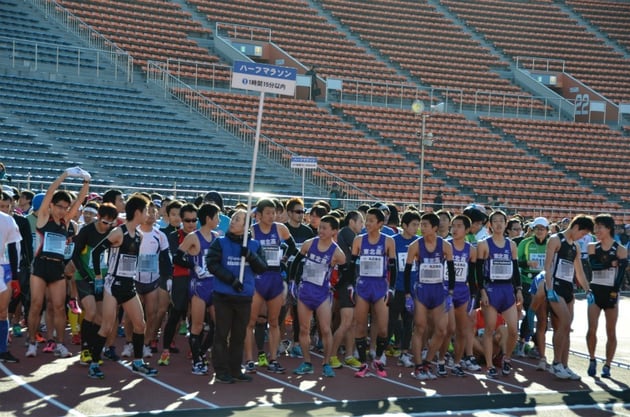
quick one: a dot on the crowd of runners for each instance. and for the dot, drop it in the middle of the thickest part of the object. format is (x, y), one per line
(369, 287)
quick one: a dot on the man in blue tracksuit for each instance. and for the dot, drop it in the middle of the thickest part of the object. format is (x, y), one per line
(232, 297)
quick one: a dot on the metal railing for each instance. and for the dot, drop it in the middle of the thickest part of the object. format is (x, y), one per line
(122, 61)
(526, 105)
(196, 101)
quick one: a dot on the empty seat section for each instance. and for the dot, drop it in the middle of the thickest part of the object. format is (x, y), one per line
(555, 35)
(595, 152)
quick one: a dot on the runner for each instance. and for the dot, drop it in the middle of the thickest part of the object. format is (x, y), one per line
(562, 264)
(376, 254)
(608, 261)
(321, 255)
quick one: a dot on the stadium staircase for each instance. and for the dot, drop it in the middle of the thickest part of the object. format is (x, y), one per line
(126, 134)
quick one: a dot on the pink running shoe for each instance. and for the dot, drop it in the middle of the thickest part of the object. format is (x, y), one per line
(379, 368)
(362, 372)
(74, 307)
(50, 347)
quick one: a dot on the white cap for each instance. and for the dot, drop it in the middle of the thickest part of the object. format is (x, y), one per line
(539, 221)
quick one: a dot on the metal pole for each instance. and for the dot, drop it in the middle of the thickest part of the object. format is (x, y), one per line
(251, 181)
(422, 136)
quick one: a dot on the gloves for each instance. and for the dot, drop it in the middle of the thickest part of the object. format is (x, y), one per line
(471, 305)
(237, 285)
(590, 298)
(613, 297)
(201, 273)
(390, 295)
(410, 306)
(17, 290)
(293, 290)
(79, 173)
(351, 293)
(98, 286)
(448, 304)
(245, 252)
(552, 296)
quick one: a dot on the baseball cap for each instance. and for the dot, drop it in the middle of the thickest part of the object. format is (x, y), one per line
(539, 221)
(37, 201)
(381, 206)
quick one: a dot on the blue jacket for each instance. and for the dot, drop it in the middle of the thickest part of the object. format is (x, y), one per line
(224, 261)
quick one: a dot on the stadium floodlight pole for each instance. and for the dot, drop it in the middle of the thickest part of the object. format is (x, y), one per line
(418, 108)
(251, 181)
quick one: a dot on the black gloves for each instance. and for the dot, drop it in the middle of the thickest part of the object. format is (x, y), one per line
(237, 285)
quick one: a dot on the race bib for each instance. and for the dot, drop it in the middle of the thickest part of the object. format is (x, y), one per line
(273, 254)
(5, 273)
(127, 265)
(539, 258)
(500, 269)
(371, 266)
(54, 243)
(148, 262)
(315, 273)
(431, 273)
(461, 272)
(605, 277)
(565, 270)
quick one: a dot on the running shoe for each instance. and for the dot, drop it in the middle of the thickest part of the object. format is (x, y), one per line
(121, 331)
(334, 362)
(492, 373)
(419, 373)
(8, 357)
(572, 375)
(61, 351)
(458, 371)
(534, 353)
(74, 307)
(250, 367)
(303, 369)
(165, 358)
(592, 368)
(141, 367)
(392, 351)
(199, 369)
(542, 364)
(242, 378)
(17, 330)
(275, 367)
(471, 364)
(154, 346)
(352, 362)
(506, 369)
(224, 379)
(383, 358)
(429, 370)
(449, 360)
(76, 339)
(362, 372)
(50, 347)
(94, 371)
(441, 369)
(146, 352)
(262, 360)
(558, 370)
(327, 371)
(31, 351)
(405, 360)
(86, 357)
(127, 351)
(296, 352)
(520, 349)
(110, 353)
(379, 368)
(183, 328)
(284, 347)
(606, 371)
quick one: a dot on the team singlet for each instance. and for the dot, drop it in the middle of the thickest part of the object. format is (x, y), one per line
(372, 258)
(123, 260)
(270, 243)
(317, 267)
(431, 264)
(461, 258)
(563, 267)
(499, 266)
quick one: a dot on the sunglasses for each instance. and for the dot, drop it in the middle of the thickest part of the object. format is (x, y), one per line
(107, 222)
(190, 220)
(298, 211)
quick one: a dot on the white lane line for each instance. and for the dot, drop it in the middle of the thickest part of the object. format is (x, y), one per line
(23, 384)
(289, 385)
(184, 395)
